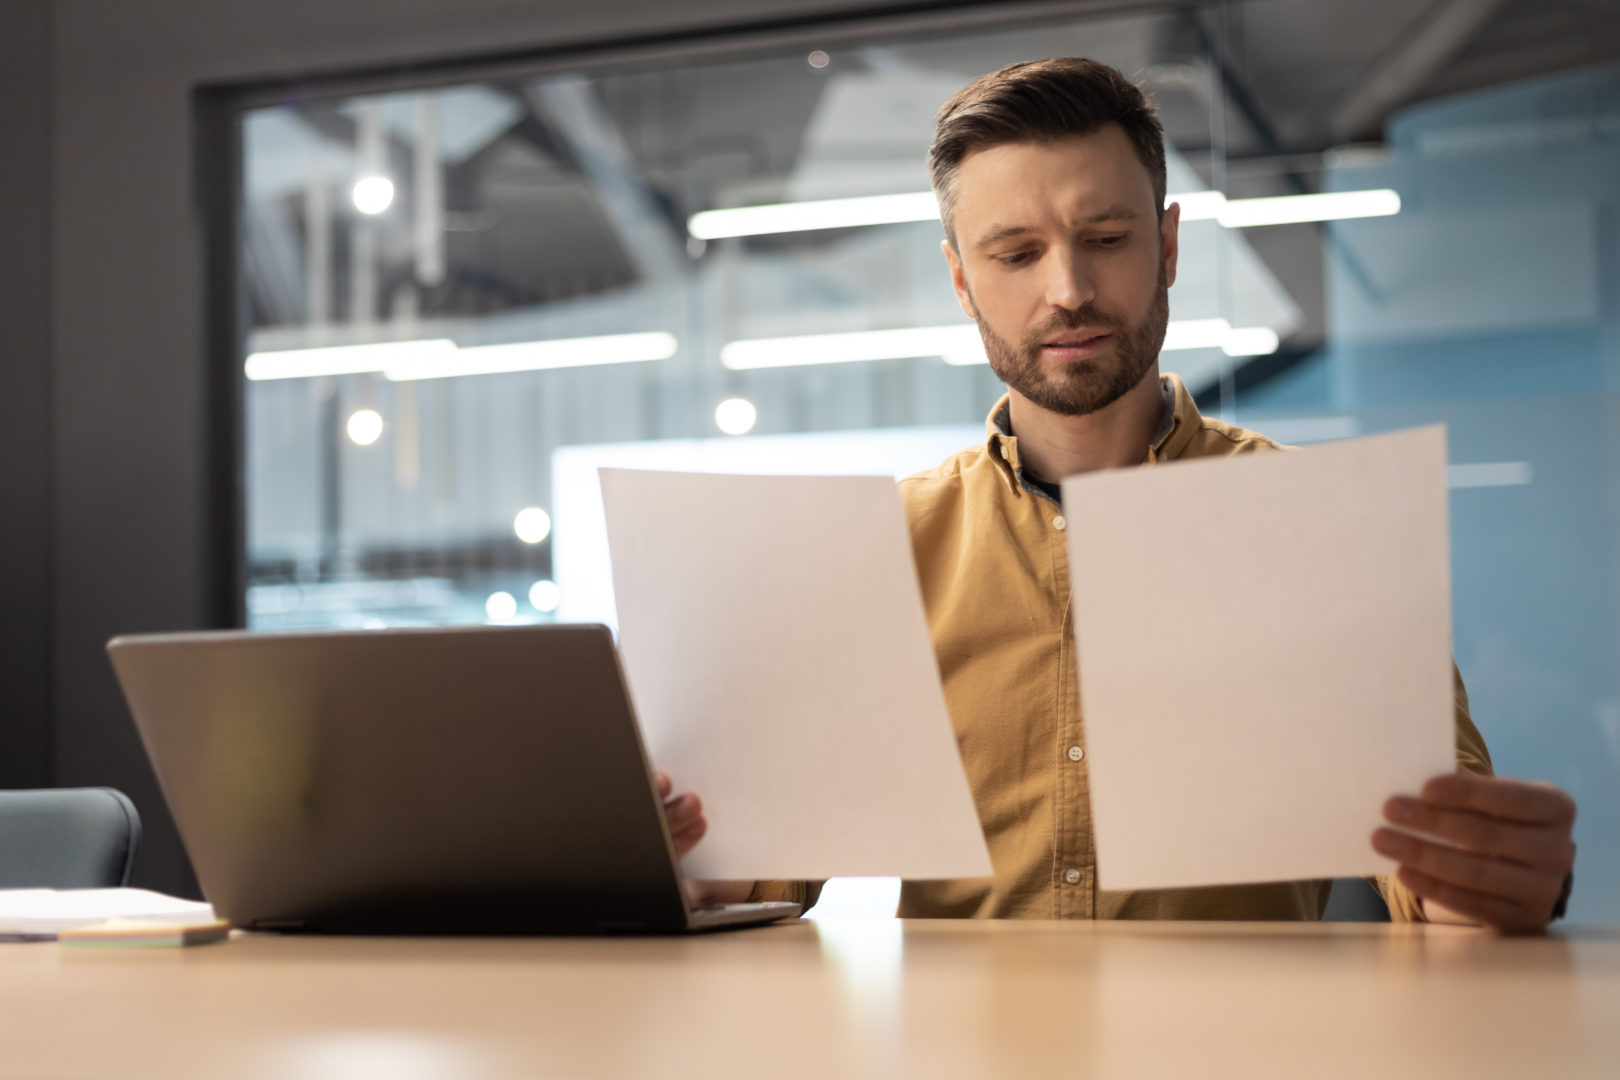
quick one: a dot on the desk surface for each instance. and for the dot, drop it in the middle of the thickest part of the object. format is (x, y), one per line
(852, 999)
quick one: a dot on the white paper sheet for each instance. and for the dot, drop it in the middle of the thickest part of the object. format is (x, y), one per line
(46, 911)
(773, 636)
(1264, 651)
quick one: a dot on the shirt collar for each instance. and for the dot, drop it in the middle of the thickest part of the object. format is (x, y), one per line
(1180, 420)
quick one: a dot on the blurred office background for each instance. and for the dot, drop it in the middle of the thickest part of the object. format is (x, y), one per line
(338, 307)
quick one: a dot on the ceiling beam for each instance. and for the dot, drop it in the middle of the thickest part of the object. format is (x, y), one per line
(1401, 73)
(642, 223)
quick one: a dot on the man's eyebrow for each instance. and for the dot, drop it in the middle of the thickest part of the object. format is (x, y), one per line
(1113, 213)
(1118, 213)
(1000, 233)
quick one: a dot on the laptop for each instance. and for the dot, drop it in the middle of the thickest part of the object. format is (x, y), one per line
(470, 780)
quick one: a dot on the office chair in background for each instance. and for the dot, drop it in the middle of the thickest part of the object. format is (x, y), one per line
(67, 838)
(1355, 900)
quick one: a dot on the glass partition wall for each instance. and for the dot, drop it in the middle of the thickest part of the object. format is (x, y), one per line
(461, 299)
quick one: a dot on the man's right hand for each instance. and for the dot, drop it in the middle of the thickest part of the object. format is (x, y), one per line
(684, 812)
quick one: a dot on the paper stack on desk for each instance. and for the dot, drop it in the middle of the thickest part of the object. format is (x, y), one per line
(33, 914)
(1264, 650)
(774, 640)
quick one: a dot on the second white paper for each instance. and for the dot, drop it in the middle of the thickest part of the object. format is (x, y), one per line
(773, 636)
(1264, 649)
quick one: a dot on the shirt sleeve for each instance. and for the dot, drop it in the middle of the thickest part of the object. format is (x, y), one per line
(1473, 757)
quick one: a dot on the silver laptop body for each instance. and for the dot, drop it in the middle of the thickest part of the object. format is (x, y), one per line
(467, 780)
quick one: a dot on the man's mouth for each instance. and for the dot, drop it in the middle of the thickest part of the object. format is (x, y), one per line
(1078, 345)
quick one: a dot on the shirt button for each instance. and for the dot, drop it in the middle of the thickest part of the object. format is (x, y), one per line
(1004, 455)
(1059, 523)
(1075, 753)
(1072, 876)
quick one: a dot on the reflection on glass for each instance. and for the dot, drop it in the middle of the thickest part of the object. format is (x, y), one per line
(734, 263)
(504, 270)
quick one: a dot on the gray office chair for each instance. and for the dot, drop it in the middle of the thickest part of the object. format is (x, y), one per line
(1354, 899)
(67, 838)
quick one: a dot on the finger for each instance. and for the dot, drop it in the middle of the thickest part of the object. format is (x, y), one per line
(691, 829)
(1477, 873)
(665, 785)
(1492, 911)
(1498, 796)
(682, 810)
(1532, 845)
(686, 839)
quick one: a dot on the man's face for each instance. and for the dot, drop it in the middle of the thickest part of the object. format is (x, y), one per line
(1064, 261)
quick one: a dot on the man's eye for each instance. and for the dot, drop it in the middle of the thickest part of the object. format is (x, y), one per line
(1014, 259)
(1117, 240)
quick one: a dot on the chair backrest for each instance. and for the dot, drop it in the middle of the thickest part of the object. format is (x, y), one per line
(67, 838)
(1355, 900)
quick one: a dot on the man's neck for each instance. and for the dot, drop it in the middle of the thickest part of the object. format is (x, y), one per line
(1052, 446)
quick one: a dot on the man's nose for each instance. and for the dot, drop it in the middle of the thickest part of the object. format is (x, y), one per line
(1069, 283)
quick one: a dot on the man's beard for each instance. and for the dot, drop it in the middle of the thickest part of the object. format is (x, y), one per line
(1081, 387)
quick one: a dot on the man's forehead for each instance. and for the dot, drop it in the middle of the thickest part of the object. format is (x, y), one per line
(1085, 177)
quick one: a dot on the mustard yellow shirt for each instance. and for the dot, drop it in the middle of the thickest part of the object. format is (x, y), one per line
(994, 570)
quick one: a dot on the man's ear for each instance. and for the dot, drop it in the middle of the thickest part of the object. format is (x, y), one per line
(1169, 240)
(958, 282)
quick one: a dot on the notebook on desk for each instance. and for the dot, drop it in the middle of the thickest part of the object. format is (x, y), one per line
(467, 780)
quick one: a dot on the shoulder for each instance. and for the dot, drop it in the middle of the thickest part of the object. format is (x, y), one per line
(1216, 438)
(937, 490)
(947, 474)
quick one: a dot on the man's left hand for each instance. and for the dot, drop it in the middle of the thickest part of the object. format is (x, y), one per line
(1501, 853)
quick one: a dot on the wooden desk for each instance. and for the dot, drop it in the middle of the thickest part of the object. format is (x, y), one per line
(857, 999)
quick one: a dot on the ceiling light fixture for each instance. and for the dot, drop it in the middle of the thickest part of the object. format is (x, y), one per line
(373, 194)
(921, 206)
(342, 359)
(851, 347)
(537, 356)
(736, 416)
(439, 358)
(960, 345)
(1297, 209)
(532, 525)
(1250, 341)
(365, 427)
(818, 214)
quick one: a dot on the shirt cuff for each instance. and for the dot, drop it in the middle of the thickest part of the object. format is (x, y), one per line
(1402, 902)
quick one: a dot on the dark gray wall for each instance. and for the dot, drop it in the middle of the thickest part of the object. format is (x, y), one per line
(25, 394)
(139, 527)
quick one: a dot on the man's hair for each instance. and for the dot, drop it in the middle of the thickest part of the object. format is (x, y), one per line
(1040, 101)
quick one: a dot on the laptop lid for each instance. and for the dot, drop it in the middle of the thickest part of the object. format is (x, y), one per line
(478, 779)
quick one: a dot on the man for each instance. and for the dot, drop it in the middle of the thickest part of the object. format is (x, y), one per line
(1051, 183)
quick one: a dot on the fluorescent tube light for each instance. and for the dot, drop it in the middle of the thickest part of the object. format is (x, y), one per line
(960, 344)
(1220, 334)
(921, 206)
(1250, 341)
(1490, 474)
(342, 359)
(400, 361)
(1196, 334)
(845, 348)
(819, 214)
(536, 356)
(1285, 209)
(1198, 205)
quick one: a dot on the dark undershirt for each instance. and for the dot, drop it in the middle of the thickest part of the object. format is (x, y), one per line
(1051, 491)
